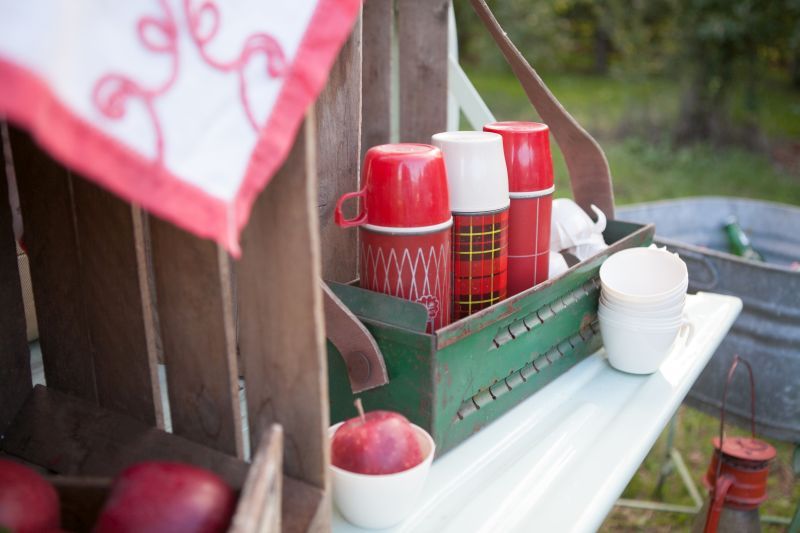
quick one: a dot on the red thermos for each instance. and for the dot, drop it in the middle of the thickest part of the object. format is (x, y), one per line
(530, 181)
(404, 226)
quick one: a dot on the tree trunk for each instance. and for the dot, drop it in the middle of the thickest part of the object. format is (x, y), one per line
(602, 50)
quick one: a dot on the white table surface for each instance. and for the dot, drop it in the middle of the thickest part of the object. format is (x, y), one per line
(559, 460)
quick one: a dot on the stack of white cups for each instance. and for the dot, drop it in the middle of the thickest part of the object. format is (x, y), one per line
(643, 291)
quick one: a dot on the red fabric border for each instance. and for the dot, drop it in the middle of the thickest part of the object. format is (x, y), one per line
(27, 101)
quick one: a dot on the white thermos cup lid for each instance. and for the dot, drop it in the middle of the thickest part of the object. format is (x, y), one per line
(476, 170)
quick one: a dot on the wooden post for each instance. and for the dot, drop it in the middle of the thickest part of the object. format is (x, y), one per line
(338, 118)
(281, 323)
(378, 23)
(195, 308)
(48, 213)
(422, 42)
(15, 367)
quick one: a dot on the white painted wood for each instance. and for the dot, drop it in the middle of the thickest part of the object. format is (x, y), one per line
(467, 96)
(559, 460)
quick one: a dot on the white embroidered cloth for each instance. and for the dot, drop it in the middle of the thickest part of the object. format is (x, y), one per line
(186, 107)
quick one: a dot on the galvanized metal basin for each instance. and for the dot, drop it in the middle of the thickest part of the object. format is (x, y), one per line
(767, 333)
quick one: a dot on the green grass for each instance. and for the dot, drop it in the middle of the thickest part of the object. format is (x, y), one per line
(632, 119)
(693, 439)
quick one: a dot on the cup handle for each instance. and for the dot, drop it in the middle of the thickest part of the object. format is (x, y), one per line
(686, 331)
(338, 216)
(599, 226)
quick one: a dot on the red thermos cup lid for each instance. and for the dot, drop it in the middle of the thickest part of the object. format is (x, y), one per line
(528, 159)
(404, 185)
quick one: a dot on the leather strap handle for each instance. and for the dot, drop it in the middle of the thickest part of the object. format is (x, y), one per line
(589, 174)
(365, 365)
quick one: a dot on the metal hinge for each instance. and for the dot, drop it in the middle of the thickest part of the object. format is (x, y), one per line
(521, 326)
(538, 364)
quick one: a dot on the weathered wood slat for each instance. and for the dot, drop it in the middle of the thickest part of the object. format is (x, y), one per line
(74, 437)
(422, 42)
(338, 114)
(195, 309)
(117, 302)
(259, 507)
(378, 18)
(15, 368)
(280, 320)
(45, 191)
(81, 499)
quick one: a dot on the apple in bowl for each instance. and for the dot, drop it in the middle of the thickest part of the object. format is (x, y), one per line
(379, 463)
(378, 442)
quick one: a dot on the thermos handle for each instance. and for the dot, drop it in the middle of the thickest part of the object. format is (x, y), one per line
(349, 222)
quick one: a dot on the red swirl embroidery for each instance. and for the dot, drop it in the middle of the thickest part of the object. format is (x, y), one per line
(204, 22)
(112, 91)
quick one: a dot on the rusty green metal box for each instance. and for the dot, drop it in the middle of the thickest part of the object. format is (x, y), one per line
(459, 379)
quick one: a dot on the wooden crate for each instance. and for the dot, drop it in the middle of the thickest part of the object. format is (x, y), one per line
(116, 292)
(121, 296)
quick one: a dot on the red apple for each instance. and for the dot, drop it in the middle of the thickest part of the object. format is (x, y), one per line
(28, 503)
(161, 497)
(378, 442)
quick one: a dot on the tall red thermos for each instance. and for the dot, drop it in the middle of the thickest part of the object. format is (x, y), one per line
(530, 181)
(478, 182)
(404, 226)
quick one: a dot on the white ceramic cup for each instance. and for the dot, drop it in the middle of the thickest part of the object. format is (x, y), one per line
(381, 501)
(476, 170)
(644, 275)
(638, 349)
(639, 320)
(669, 309)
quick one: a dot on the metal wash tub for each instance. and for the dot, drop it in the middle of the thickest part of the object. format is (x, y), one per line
(767, 333)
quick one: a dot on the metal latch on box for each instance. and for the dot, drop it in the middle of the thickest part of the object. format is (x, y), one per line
(365, 365)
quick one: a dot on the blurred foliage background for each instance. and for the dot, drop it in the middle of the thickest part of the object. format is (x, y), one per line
(687, 97)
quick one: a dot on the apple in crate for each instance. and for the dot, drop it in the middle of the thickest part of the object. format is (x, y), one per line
(28, 503)
(167, 497)
(378, 442)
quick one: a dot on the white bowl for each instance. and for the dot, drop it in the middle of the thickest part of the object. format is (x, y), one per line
(639, 350)
(644, 275)
(381, 501)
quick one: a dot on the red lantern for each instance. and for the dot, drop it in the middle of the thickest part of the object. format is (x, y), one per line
(737, 476)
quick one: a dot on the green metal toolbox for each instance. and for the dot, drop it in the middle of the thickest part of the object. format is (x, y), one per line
(459, 379)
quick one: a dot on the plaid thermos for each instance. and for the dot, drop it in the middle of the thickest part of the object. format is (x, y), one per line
(476, 174)
(530, 181)
(404, 227)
